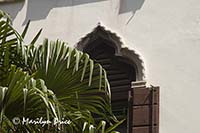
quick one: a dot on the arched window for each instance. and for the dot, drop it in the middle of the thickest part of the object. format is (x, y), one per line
(123, 66)
(120, 75)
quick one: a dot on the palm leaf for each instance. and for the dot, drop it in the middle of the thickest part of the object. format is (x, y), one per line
(27, 97)
(78, 82)
(9, 40)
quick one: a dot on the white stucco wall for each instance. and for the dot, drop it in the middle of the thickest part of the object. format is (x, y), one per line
(165, 32)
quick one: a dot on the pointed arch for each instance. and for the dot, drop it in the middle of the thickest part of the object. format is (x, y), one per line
(120, 50)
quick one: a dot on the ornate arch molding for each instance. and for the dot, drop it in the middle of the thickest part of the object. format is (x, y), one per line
(130, 56)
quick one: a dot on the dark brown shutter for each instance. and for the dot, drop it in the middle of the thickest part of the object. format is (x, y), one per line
(120, 76)
(145, 108)
(138, 103)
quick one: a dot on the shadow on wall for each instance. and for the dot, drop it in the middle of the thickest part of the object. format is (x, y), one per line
(39, 9)
(130, 6)
(12, 8)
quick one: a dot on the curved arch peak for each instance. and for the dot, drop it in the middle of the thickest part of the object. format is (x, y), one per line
(100, 32)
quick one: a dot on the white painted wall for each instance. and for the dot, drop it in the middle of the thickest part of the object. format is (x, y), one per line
(165, 32)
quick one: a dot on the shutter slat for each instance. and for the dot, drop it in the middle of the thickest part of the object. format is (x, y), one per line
(120, 88)
(117, 76)
(119, 82)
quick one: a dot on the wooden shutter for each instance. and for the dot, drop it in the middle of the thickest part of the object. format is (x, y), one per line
(138, 103)
(145, 108)
(120, 76)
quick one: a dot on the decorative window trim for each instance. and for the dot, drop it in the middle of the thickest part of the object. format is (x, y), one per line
(121, 50)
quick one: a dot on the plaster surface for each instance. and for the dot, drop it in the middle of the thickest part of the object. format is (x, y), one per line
(166, 33)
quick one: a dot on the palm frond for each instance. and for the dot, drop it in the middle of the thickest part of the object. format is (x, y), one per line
(9, 44)
(78, 82)
(26, 97)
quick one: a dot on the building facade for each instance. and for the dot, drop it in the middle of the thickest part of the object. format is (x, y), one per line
(159, 39)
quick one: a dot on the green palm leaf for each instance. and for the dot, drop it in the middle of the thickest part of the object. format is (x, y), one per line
(27, 97)
(77, 81)
(9, 44)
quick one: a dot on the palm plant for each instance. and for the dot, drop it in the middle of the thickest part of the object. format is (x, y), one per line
(20, 94)
(50, 80)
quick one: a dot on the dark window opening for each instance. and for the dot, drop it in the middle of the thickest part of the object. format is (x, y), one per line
(120, 75)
